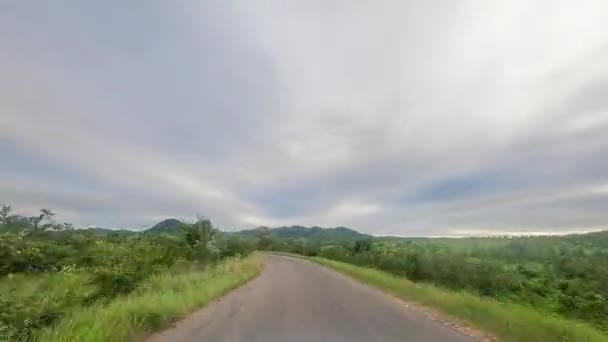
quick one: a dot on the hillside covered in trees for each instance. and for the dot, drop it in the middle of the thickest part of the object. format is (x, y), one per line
(316, 234)
(168, 226)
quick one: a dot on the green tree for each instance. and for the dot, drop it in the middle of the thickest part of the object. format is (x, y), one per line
(264, 240)
(199, 237)
(5, 215)
(37, 221)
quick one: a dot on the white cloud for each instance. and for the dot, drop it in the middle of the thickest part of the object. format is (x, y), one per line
(393, 117)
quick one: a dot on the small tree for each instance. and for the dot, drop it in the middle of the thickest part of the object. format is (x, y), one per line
(5, 214)
(199, 236)
(362, 246)
(264, 240)
(45, 214)
(65, 226)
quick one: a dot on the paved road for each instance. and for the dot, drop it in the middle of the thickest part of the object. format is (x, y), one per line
(295, 300)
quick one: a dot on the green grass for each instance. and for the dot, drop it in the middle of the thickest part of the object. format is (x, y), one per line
(29, 302)
(508, 322)
(159, 301)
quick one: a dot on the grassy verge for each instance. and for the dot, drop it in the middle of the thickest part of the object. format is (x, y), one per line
(29, 302)
(156, 303)
(509, 322)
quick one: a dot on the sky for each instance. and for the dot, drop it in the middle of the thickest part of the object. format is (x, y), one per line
(410, 118)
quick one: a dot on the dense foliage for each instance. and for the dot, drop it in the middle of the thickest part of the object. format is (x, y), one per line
(47, 268)
(561, 275)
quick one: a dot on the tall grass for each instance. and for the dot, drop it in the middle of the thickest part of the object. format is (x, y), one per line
(154, 305)
(29, 302)
(507, 321)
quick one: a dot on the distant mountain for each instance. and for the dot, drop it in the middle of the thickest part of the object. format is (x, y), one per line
(108, 231)
(168, 226)
(172, 227)
(312, 233)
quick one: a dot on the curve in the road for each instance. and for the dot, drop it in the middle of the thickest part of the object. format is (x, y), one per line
(295, 300)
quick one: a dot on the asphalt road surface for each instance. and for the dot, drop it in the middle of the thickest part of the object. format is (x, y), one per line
(295, 300)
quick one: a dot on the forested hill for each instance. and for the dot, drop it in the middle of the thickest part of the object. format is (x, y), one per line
(168, 226)
(310, 233)
(318, 234)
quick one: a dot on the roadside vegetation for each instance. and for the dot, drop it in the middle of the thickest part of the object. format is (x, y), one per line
(58, 283)
(158, 301)
(552, 288)
(507, 321)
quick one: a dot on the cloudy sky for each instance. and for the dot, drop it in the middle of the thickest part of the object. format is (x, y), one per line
(392, 117)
